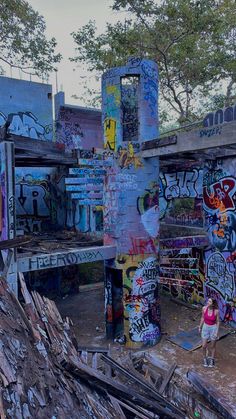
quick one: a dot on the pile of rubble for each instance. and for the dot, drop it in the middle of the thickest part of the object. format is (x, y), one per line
(33, 342)
(44, 374)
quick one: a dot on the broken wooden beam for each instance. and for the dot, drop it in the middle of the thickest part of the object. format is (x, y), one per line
(116, 405)
(116, 389)
(142, 383)
(216, 399)
(167, 378)
(12, 243)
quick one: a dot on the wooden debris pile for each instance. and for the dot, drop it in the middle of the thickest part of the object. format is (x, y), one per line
(33, 339)
(44, 374)
(62, 240)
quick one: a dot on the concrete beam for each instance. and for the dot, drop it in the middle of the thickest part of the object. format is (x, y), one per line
(64, 258)
(192, 141)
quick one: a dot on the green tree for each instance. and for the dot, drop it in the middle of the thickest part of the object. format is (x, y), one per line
(23, 43)
(192, 41)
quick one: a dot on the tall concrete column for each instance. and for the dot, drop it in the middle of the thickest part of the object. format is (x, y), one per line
(7, 204)
(131, 211)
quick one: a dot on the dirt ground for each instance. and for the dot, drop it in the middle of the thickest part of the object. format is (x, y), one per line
(86, 310)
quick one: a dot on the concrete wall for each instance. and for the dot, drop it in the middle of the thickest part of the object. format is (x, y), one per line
(27, 108)
(77, 127)
(40, 199)
(131, 212)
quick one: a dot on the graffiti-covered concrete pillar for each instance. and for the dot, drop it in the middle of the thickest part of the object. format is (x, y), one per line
(131, 212)
(7, 208)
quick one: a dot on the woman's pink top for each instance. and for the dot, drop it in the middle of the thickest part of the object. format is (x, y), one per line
(209, 319)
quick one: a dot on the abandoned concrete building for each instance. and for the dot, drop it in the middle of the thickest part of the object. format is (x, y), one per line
(85, 185)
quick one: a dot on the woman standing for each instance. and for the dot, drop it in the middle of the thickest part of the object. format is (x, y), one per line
(209, 329)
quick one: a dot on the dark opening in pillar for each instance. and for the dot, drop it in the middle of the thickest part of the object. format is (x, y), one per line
(130, 86)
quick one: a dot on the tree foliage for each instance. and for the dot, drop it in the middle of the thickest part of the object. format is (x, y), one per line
(23, 43)
(192, 41)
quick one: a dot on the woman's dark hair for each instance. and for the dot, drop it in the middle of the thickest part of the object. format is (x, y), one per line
(214, 304)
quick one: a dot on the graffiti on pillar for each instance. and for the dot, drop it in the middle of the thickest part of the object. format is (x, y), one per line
(26, 124)
(127, 156)
(110, 133)
(3, 197)
(140, 298)
(148, 208)
(111, 119)
(150, 86)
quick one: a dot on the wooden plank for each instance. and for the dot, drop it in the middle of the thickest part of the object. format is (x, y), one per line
(184, 242)
(86, 172)
(216, 399)
(84, 357)
(173, 281)
(84, 187)
(93, 349)
(137, 410)
(77, 181)
(93, 162)
(65, 258)
(7, 263)
(119, 412)
(12, 243)
(88, 195)
(98, 380)
(146, 387)
(86, 202)
(167, 378)
(95, 360)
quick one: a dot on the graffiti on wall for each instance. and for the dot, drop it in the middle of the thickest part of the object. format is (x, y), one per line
(69, 131)
(180, 197)
(182, 274)
(140, 298)
(220, 282)
(79, 128)
(38, 201)
(219, 198)
(220, 116)
(219, 277)
(26, 124)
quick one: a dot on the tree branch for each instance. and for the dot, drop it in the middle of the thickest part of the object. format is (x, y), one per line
(17, 66)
